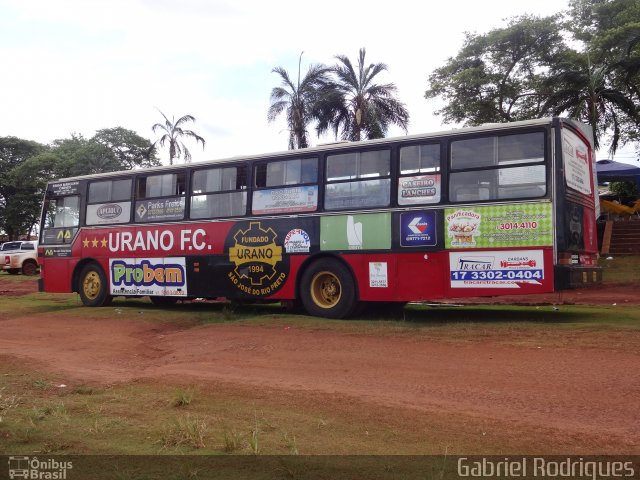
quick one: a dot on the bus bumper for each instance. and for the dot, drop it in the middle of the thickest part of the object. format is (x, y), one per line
(573, 276)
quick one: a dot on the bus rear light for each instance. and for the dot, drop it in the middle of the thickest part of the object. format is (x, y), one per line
(586, 259)
(7, 260)
(564, 258)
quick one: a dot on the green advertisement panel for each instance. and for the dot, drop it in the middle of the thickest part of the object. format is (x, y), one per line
(356, 232)
(517, 225)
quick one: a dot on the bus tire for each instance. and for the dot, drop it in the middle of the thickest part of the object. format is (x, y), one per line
(93, 286)
(29, 267)
(160, 301)
(328, 289)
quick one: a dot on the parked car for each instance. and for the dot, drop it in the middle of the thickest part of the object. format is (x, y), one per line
(20, 256)
(8, 246)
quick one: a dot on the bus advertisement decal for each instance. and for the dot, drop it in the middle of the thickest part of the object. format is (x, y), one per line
(370, 231)
(418, 229)
(576, 161)
(494, 226)
(378, 276)
(286, 200)
(297, 241)
(107, 213)
(489, 269)
(256, 253)
(160, 210)
(149, 276)
(419, 189)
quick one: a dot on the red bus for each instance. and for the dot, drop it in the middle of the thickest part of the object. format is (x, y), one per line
(484, 211)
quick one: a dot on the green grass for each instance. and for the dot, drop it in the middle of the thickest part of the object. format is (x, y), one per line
(620, 269)
(140, 419)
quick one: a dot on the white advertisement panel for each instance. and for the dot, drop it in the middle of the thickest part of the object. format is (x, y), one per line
(148, 276)
(576, 162)
(378, 277)
(285, 200)
(107, 213)
(419, 189)
(508, 269)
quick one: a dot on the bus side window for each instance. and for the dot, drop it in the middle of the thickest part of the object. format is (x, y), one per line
(166, 185)
(286, 186)
(472, 186)
(109, 201)
(420, 178)
(358, 180)
(219, 192)
(498, 168)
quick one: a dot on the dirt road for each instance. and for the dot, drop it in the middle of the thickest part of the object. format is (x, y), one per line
(585, 398)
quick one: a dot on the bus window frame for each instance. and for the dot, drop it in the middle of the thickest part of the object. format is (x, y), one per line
(254, 188)
(246, 190)
(131, 200)
(392, 150)
(545, 162)
(184, 196)
(440, 172)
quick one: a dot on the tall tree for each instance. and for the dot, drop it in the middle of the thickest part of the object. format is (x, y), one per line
(129, 149)
(610, 30)
(586, 92)
(19, 200)
(499, 76)
(359, 107)
(298, 99)
(173, 134)
(109, 150)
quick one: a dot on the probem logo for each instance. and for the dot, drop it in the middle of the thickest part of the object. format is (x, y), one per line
(259, 266)
(146, 273)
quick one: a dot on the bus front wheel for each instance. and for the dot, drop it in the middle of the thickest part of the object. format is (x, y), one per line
(94, 288)
(328, 289)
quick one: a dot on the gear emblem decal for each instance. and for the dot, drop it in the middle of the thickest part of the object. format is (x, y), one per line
(256, 257)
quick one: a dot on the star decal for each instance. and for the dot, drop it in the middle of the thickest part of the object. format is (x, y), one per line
(103, 243)
(85, 242)
(94, 242)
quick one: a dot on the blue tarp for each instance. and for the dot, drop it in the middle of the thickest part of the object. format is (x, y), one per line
(610, 171)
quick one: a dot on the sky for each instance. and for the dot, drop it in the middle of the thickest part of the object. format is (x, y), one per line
(77, 66)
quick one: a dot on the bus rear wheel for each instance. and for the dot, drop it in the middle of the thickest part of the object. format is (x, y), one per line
(328, 289)
(93, 287)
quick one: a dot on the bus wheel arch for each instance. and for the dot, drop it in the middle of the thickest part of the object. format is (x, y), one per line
(327, 287)
(91, 283)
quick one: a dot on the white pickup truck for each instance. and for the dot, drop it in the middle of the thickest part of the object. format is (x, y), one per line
(20, 256)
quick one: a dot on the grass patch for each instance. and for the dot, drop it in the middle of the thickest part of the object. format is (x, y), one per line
(185, 431)
(182, 398)
(134, 420)
(622, 269)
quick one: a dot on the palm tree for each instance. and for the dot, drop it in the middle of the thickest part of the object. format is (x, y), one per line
(586, 92)
(173, 132)
(298, 100)
(360, 107)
